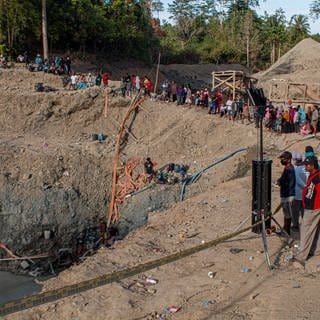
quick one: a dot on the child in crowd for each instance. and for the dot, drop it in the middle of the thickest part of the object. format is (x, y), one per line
(279, 122)
(305, 129)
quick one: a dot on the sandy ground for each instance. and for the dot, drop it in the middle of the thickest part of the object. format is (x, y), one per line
(284, 293)
(222, 203)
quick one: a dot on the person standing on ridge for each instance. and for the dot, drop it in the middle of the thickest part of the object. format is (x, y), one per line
(309, 237)
(301, 180)
(287, 183)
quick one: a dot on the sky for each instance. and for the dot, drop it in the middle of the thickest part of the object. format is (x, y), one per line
(290, 7)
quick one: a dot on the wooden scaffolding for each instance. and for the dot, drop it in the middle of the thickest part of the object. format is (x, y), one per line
(231, 80)
(281, 91)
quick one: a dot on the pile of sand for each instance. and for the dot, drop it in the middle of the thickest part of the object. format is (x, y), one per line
(300, 64)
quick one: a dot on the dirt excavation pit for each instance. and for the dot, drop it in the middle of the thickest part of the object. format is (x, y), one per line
(56, 176)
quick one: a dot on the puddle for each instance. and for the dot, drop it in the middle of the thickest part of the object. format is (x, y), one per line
(16, 286)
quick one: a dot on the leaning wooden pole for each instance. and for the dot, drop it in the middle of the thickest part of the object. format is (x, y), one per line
(157, 74)
(136, 101)
(106, 102)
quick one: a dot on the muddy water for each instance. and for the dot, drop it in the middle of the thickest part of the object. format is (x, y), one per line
(14, 287)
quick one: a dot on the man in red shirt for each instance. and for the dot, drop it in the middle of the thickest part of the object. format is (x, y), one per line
(105, 79)
(309, 237)
(218, 101)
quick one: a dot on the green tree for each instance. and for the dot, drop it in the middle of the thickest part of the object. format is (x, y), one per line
(157, 6)
(188, 19)
(17, 20)
(274, 28)
(315, 9)
(299, 27)
(130, 31)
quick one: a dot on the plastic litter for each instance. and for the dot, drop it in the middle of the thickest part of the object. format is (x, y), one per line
(235, 250)
(24, 264)
(151, 281)
(211, 274)
(36, 272)
(174, 309)
(290, 257)
(245, 270)
(207, 302)
(251, 258)
(99, 137)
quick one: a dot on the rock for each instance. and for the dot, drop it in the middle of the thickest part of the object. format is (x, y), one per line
(253, 296)
(24, 265)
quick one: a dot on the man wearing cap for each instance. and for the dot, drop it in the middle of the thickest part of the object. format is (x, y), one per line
(287, 183)
(309, 238)
(148, 167)
(301, 180)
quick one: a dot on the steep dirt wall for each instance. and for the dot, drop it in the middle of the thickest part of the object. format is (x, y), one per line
(60, 190)
(53, 174)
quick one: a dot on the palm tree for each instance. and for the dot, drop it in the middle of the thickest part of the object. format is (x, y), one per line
(157, 6)
(275, 32)
(315, 9)
(299, 27)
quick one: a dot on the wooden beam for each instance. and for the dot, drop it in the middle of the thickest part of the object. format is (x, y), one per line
(222, 82)
(287, 91)
(270, 91)
(213, 81)
(234, 86)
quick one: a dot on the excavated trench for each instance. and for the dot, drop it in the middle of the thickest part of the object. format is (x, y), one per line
(55, 180)
(58, 216)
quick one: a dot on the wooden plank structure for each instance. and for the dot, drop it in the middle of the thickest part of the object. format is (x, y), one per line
(298, 93)
(231, 80)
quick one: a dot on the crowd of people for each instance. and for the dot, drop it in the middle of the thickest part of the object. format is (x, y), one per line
(292, 119)
(83, 81)
(300, 200)
(57, 65)
(131, 84)
(280, 119)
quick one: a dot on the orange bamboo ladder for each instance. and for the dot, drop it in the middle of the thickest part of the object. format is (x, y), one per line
(113, 215)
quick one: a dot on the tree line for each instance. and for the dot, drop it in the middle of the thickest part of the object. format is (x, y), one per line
(199, 31)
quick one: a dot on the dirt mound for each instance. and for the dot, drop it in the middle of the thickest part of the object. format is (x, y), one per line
(199, 75)
(298, 64)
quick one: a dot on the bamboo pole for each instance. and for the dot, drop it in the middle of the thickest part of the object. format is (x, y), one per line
(157, 74)
(234, 85)
(113, 212)
(126, 129)
(106, 102)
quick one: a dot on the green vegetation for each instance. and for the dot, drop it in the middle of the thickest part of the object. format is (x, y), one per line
(215, 31)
